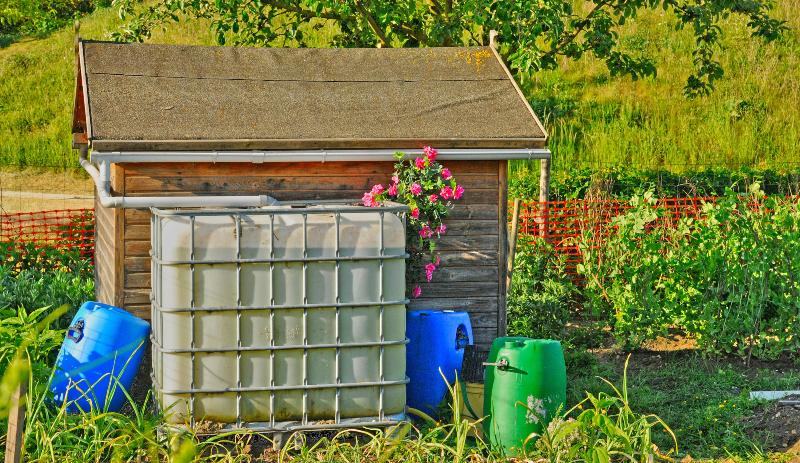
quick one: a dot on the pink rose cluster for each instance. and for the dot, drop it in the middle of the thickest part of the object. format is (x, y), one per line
(428, 189)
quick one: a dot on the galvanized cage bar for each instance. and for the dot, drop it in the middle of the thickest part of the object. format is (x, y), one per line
(270, 307)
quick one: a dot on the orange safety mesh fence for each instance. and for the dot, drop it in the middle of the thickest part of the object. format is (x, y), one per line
(561, 223)
(71, 229)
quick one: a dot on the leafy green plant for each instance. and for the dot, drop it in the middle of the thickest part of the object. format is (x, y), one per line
(542, 296)
(727, 278)
(35, 277)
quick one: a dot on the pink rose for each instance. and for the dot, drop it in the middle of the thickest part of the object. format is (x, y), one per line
(392, 189)
(433, 198)
(416, 189)
(377, 189)
(438, 261)
(426, 231)
(446, 174)
(395, 179)
(420, 162)
(416, 292)
(369, 200)
(459, 192)
(429, 268)
(430, 153)
(415, 213)
(441, 229)
(446, 192)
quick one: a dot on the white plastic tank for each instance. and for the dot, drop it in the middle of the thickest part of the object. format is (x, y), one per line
(281, 316)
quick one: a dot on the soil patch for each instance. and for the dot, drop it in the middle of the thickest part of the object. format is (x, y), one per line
(780, 424)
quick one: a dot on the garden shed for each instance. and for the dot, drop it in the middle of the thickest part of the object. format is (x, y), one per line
(190, 126)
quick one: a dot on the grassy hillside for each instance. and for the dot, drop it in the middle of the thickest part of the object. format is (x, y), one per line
(37, 88)
(752, 119)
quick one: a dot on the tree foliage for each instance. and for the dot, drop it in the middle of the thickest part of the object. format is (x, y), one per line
(533, 33)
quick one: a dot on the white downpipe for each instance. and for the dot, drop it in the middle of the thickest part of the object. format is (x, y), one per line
(102, 181)
(317, 155)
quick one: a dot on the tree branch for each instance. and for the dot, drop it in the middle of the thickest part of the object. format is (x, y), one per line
(575, 33)
(308, 14)
(419, 36)
(373, 24)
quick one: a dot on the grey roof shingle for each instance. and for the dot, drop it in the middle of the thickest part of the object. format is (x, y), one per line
(167, 97)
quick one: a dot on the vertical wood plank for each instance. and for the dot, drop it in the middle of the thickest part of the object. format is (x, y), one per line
(16, 425)
(118, 185)
(512, 245)
(544, 194)
(502, 246)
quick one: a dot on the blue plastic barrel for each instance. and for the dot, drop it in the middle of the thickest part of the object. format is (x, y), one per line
(437, 340)
(99, 357)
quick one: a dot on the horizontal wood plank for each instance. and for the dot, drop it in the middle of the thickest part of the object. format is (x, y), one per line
(460, 289)
(137, 280)
(467, 243)
(136, 296)
(267, 185)
(470, 304)
(475, 257)
(448, 274)
(291, 169)
(137, 264)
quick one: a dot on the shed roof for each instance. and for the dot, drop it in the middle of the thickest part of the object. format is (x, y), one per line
(135, 97)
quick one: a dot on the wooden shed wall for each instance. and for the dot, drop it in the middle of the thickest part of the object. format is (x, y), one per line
(473, 250)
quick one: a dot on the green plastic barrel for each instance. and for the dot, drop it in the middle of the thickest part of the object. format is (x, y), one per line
(526, 384)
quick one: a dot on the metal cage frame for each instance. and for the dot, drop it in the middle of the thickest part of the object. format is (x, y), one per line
(304, 208)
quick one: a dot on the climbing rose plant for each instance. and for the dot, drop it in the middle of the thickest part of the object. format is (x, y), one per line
(429, 189)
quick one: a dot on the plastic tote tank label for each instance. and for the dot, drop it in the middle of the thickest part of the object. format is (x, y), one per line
(280, 317)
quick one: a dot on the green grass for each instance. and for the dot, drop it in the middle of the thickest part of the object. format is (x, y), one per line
(705, 401)
(752, 119)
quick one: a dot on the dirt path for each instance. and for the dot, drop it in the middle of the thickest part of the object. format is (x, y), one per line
(37, 190)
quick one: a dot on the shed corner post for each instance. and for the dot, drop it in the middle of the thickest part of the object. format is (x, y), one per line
(544, 195)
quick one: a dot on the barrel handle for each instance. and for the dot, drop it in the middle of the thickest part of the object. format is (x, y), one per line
(75, 332)
(501, 364)
(462, 338)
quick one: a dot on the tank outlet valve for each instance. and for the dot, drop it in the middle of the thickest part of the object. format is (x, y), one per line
(501, 364)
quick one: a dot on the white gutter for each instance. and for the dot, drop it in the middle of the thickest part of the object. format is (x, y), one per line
(102, 177)
(102, 181)
(316, 155)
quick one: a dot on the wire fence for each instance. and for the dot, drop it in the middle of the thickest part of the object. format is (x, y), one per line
(562, 223)
(66, 229)
(558, 223)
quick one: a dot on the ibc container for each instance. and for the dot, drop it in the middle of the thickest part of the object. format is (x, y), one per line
(280, 318)
(99, 358)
